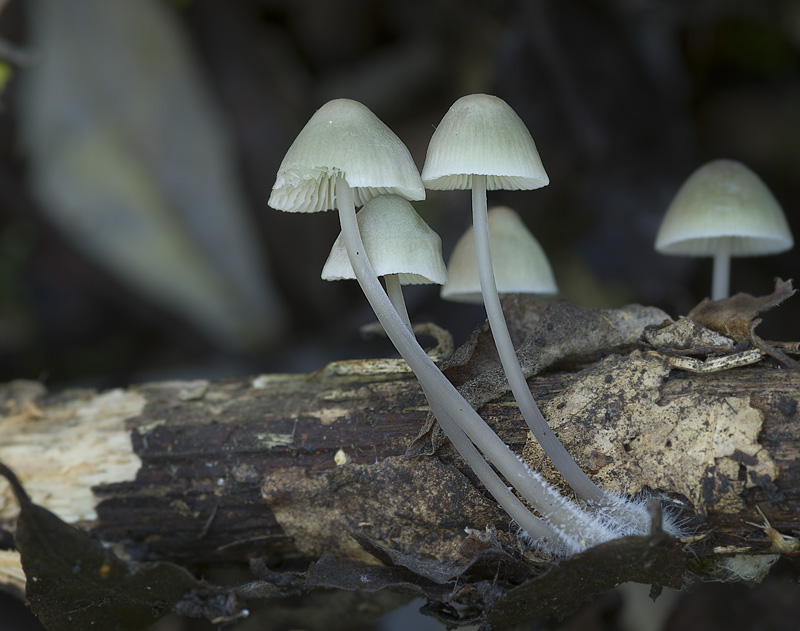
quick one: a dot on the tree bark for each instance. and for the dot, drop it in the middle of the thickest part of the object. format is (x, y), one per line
(247, 467)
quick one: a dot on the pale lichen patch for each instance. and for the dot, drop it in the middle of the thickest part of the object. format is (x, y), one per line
(262, 382)
(341, 458)
(330, 415)
(65, 475)
(703, 447)
(359, 367)
(271, 440)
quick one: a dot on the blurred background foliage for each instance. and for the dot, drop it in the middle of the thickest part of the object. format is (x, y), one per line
(139, 141)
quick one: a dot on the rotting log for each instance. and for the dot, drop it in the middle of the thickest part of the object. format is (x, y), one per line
(286, 468)
(244, 467)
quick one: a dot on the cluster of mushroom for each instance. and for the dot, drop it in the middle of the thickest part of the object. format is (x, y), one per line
(346, 157)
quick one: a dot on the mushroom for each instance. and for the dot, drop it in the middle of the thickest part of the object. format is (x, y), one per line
(402, 248)
(346, 153)
(723, 210)
(482, 144)
(344, 143)
(519, 263)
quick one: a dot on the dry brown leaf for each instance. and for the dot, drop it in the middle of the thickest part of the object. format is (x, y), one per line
(737, 318)
(733, 316)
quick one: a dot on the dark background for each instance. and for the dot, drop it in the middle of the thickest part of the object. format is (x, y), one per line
(625, 98)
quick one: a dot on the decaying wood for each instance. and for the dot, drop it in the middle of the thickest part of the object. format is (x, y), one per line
(245, 467)
(286, 468)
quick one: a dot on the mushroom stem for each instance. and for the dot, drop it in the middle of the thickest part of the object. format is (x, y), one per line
(532, 525)
(632, 515)
(455, 415)
(573, 474)
(395, 292)
(720, 283)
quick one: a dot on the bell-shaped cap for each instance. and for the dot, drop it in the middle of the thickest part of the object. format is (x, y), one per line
(344, 139)
(482, 135)
(724, 199)
(397, 241)
(520, 265)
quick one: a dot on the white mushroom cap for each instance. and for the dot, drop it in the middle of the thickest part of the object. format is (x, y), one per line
(724, 199)
(344, 138)
(397, 241)
(482, 135)
(520, 265)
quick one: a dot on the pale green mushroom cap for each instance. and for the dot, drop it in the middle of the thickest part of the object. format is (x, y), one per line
(724, 199)
(520, 265)
(344, 138)
(397, 241)
(482, 135)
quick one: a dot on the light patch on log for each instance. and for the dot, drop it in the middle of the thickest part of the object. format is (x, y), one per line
(11, 573)
(69, 449)
(270, 441)
(703, 447)
(361, 367)
(410, 508)
(341, 458)
(330, 415)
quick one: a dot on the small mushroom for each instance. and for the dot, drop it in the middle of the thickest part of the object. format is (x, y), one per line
(402, 248)
(519, 262)
(481, 144)
(343, 143)
(723, 210)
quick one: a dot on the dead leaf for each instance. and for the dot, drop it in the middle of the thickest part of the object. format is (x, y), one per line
(655, 560)
(686, 335)
(736, 317)
(501, 590)
(733, 316)
(73, 583)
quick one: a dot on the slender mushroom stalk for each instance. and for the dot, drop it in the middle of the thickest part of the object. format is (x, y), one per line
(394, 290)
(561, 458)
(346, 154)
(481, 143)
(570, 527)
(721, 273)
(723, 210)
(399, 246)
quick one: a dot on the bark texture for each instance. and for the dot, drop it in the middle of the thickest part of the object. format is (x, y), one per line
(247, 467)
(292, 469)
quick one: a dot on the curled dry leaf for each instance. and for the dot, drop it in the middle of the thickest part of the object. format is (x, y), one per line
(737, 318)
(734, 316)
(501, 589)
